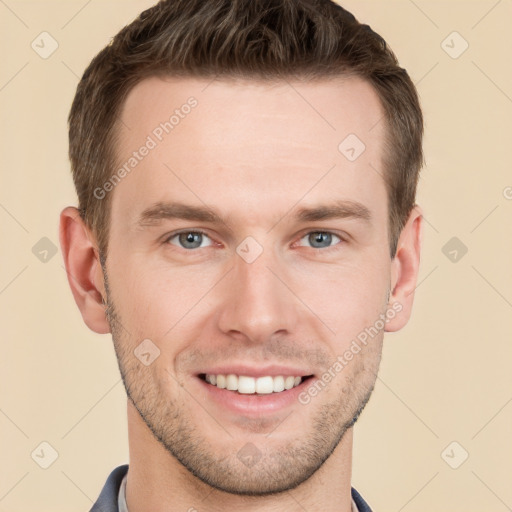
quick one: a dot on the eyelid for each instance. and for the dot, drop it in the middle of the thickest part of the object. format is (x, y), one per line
(168, 237)
(343, 239)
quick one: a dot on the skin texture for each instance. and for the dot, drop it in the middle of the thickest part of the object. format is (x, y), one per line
(255, 153)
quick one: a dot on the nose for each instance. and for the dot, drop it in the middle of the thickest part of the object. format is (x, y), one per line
(257, 303)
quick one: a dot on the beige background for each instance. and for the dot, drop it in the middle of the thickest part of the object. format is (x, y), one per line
(445, 377)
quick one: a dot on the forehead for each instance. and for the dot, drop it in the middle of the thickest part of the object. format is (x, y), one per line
(326, 108)
(257, 144)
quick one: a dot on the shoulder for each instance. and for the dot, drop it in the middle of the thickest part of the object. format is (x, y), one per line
(107, 500)
(362, 506)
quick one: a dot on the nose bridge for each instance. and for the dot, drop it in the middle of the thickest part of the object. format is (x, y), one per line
(256, 302)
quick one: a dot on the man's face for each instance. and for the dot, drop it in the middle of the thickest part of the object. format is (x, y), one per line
(262, 292)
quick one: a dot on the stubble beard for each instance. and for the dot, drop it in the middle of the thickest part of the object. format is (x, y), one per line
(276, 470)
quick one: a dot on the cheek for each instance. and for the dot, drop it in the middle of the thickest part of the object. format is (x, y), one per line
(153, 299)
(347, 298)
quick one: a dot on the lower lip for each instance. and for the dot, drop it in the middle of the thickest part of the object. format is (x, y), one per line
(252, 404)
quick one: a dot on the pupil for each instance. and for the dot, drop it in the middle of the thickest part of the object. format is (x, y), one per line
(190, 240)
(325, 237)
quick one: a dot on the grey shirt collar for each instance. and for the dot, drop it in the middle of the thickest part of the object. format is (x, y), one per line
(124, 508)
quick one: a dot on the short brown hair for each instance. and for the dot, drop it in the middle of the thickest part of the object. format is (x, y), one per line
(255, 39)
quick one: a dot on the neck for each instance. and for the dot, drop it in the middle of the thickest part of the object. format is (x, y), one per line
(158, 482)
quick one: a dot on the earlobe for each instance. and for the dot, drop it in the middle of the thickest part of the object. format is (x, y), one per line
(85, 275)
(404, 270)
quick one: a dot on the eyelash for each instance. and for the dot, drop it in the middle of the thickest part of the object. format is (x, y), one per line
(200, 232)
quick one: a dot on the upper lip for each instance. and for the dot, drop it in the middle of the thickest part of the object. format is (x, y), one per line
(252, 371)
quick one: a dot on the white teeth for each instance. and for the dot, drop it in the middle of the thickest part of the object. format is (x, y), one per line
(265, 385)
(278, 384)
(289, 382)
(250, 385)
(246, 385)
(221, 381)
(231, 382)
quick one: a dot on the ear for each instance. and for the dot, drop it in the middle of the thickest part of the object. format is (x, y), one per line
(85, 275)
(404, 270)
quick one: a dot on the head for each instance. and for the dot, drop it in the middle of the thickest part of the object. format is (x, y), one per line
(260, 40)
(269, 222)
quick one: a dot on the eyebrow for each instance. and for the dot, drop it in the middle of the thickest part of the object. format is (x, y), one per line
(156, 213)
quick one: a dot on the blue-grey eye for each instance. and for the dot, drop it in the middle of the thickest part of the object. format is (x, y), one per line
(190, 239)
(321, 239)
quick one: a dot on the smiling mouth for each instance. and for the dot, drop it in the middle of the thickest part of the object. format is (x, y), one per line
(261, 386)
